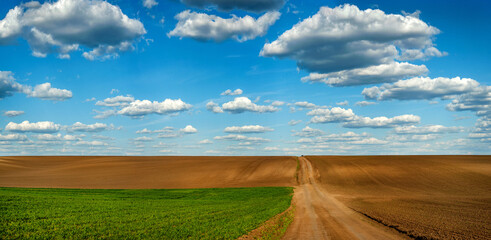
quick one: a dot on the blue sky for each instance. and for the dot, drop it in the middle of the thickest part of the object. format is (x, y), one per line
(86, 77)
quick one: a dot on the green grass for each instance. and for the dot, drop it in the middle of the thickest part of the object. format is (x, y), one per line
(225, 213)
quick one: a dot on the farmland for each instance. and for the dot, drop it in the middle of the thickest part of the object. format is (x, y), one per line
(440, 197)
(226, 213)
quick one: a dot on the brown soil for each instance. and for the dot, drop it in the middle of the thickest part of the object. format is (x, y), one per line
(146, 172)
(441, 197)
(319, 215)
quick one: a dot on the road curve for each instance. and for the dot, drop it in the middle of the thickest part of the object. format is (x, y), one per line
(319, 215)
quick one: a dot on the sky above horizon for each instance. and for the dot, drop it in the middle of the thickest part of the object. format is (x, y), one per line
(237, 77)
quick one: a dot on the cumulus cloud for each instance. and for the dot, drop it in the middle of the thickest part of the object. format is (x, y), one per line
(13, 113)
(35, 127)
(247, 129)
(204, 27)
(188, 129)
(351, 120)
(163, 130)
(90, 143)
(46, 92)
(305, 104)
(382, 73)
(116, 101)
(421, 88)
(343, 103)
(228, 5)
(57, 137)
(143, 139)
(238, 137)
(429, 129)
(478, 101)
(240, 105)
(96, 127)
(140, 108)
(13, 137)
(345, 46)
(309, 132)
(411, 138)
(65, 26)
(105, 114)
(8, 85)
(382, 122)
(229, 92)
(150, 3)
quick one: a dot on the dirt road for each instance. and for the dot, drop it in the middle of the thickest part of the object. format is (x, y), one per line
(320, 216)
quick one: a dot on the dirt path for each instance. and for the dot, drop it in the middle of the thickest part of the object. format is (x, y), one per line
(319, 215)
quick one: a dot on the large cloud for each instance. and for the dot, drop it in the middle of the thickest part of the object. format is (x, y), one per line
(248, 5)
(63, 26)
(348, 46)
(247, 129)
(139, 108)
(240, 105)
(422, 88)
(37, 127)
(204, 27)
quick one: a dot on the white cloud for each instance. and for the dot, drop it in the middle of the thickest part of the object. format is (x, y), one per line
(96, 127)
(188, 129)
(90, 143)
(335, 114)
(116, 101)
(478, 101)
(143, 139)
(383, 73)
(364, 103)
(213, 107)
(229, 92)
(247, 129)
(240, 105)
(13, 113)
(411, 138)
(46, 92)
(205, 141)
(8, 85)
(57, 137)
(369, 141)
(36, 127)
(277, 103)
(382, 122)
(228, 5)
(105, 114)
(271, 149)
(238, 137)
(305, 104)
(294, 122)
(150, 3)
(139, 108)
(309, 132)
(204, 27)
(163, 130)
(355, 46)
(13, 137)
(65, 25)
(351, 120)
(343, 103)
(422, 88)
(429, 129)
